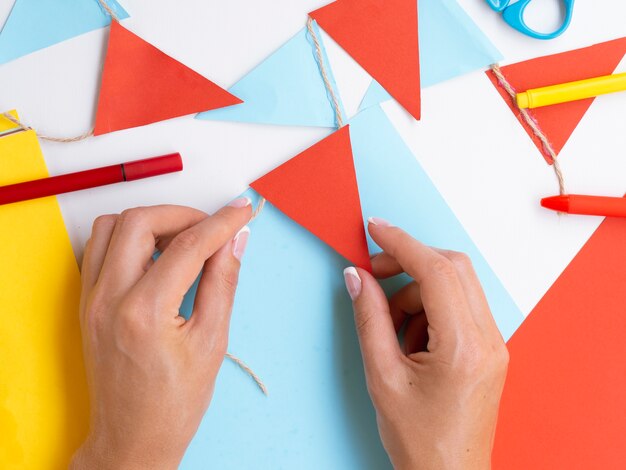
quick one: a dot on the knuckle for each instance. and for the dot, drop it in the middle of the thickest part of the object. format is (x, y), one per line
(479, 359)
(188, 240)
(95, 313)
(133, 320)
(103, 222)
(460, 260)
(443, 267)
(363, 322)
(228, 281)
(134, 217)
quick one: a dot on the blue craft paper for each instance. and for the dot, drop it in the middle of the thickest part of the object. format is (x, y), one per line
(284, 89)
(451, 44)
(36, 24)
(293, 324)
(392, 185)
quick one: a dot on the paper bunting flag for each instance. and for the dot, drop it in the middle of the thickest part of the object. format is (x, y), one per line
(142, 85)
(559, 121)
(293, 324)
(381, 35)
(318, 189)
(450, 45)
(285, 89)
(563, 404)
(36, 24)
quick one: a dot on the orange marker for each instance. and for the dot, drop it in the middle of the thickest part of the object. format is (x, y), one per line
(587, 205)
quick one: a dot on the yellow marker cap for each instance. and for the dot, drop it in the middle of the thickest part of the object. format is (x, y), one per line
(522, 100)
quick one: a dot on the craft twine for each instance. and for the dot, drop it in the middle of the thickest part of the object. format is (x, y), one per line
(257, 211)
(320, 63)
(534, 126)
(108, 9)
(319, 58)
(242, 365)
(66, 140)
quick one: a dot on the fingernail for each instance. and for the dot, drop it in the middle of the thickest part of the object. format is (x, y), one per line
(353, 282)
(240, 241)
(240, 202)
(378, 221)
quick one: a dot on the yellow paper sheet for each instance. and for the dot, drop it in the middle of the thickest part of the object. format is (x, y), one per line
(6, 125)
(43, 396)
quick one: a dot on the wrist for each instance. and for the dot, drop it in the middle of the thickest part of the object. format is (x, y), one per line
(438, 458)
(98, 454)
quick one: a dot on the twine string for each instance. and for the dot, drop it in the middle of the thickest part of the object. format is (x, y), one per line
(319, 57)
(105, 6)
(258, 209)
(243, 366)
(532, 123)
(64, 140)
(23, 126)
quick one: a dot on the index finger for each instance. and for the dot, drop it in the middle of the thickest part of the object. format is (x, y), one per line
(441, 291)
(173, 273)
(134, 238)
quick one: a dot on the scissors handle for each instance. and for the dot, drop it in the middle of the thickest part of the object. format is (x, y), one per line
(498, 5)
(514, 16)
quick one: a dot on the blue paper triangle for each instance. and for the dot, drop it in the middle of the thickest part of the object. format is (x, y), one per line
(36, 24)
(285, 89)
(292, 323)
(450, 45)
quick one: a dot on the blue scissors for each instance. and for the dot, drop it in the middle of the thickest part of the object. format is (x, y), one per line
(514, 16)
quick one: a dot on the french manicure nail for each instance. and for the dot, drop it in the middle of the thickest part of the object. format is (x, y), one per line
(378, 221)
(240, 241)
(353, 282)
(240, 202)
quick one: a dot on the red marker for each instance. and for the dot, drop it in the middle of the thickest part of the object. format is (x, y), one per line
(129, 171)
(587, 205)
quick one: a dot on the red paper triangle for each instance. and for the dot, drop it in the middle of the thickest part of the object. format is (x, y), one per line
(318, 189)
(563, 405)
(381, 35)
(559, 121)
(142, 85)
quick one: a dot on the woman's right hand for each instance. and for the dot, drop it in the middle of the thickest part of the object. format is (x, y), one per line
(437, 396)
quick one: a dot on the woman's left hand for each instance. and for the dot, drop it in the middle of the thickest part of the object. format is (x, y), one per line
(151, 373)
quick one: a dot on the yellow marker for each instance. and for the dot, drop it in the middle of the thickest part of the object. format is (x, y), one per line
(572, 91)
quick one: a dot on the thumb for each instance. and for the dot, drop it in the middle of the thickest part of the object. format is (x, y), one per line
(216, 293)
(374, 326)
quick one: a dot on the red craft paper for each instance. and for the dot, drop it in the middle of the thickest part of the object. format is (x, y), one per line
(559, 121)
(381, 35)
(564, 403)
(142, 85)
(318, 189)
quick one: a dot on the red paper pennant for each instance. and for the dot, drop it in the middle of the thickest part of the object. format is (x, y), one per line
(142, 85)
(563, 405)
(559, 121)
(318, 189)
(381, 35)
